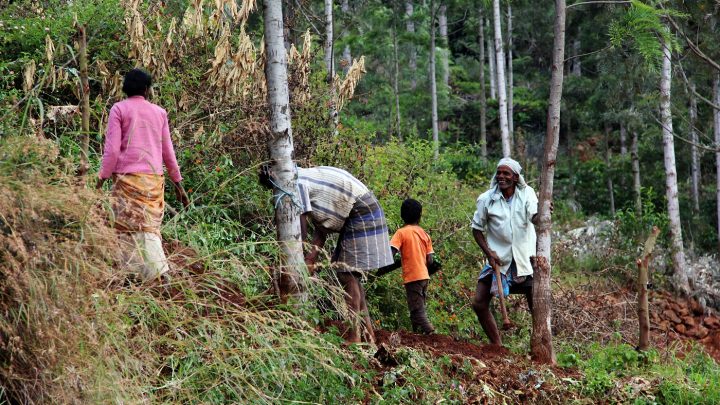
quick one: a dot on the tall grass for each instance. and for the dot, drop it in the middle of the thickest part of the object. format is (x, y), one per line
(75, 330)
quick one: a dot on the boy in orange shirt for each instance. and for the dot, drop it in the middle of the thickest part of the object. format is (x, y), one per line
(416, 253)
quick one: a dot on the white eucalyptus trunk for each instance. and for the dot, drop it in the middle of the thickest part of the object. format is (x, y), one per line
(623, 140)
(287, 214)
(410, 28)
(511, 124)
(671, 188)
(483, 99)
(433, 85)
(609, 180)
(502, 89)
(716, 129)
(347, 55)
(541, 340)
(576, 66)
(445, 51)
(694, 153)
(491, 65)
(329, 60)
(635, 163)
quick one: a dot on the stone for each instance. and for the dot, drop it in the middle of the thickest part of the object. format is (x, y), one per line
(680, 328)
(671, 316)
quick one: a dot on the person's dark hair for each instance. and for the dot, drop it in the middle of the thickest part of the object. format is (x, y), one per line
(264, 175)
(137, 82)
(411, 211)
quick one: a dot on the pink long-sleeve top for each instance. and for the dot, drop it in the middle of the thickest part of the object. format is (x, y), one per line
(138, 140)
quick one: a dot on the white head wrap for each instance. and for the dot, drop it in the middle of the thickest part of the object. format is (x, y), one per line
(515, 167)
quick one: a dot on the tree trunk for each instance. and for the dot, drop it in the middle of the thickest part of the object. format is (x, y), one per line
(433, 84)
(541, 340)
(329, 60)
(347, 55)
(502, 89)
(483, 100)
(410, 28)
(570, 136)
(694, 154)
(643, 308)
(491, 65)
(609, 180)
(671, 189)
(288, 23)
(84, 101)
(287, 213)
(716, 128)
(635, 157)
(511, 125)
(396, 90)
(330, 64)
(576, 66)
(623, 140)
(444, 53)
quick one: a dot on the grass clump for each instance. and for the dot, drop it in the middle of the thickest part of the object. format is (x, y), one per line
(75, 330)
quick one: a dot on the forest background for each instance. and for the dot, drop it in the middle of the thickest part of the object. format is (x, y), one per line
(73, 330)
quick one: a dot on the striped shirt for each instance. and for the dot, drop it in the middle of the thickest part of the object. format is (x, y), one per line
(328, 194)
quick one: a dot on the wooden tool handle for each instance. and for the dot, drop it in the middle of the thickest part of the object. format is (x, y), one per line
(501, 294)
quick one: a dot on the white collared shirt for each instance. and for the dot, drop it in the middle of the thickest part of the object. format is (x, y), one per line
(508, 226)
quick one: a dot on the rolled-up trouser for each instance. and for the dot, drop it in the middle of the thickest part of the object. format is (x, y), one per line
(416, 296)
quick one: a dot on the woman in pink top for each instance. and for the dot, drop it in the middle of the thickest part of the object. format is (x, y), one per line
(137, 144)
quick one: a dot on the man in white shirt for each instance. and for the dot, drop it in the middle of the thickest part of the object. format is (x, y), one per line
(503, 228)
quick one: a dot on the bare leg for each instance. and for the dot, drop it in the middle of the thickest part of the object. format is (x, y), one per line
(481, 306)
(353, 294)
(369, 332)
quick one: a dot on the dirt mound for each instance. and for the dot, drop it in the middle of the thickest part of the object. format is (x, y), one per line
(440, 344)
(484, 373)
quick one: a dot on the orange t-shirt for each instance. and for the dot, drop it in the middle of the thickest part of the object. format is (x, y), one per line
(414, 245)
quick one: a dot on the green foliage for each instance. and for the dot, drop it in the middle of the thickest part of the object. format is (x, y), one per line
(643, 24)
(620, 373)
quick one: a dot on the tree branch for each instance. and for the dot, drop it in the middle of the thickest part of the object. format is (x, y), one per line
(698, 95)
(582, 3)
(589, 53)
(692, 45)
(701, 146)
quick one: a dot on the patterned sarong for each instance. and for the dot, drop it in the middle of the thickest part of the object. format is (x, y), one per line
(139, 202)
(138, 205)
(364, 242)
(508, 280)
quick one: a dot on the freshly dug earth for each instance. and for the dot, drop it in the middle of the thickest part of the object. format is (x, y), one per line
(497, 376)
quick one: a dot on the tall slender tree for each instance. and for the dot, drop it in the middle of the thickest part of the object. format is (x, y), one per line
(511, 125)
(410, 28)
(329, 60)
(433, 84)
(483, 99)
(694, 153)
(287, 212)
(541, 341)
(347, 55)
(502, 88)
(635, 164)
(716, 130)
(608, 178)
(491, 64)
(445, 50)
(671, 188)
(576, 63)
